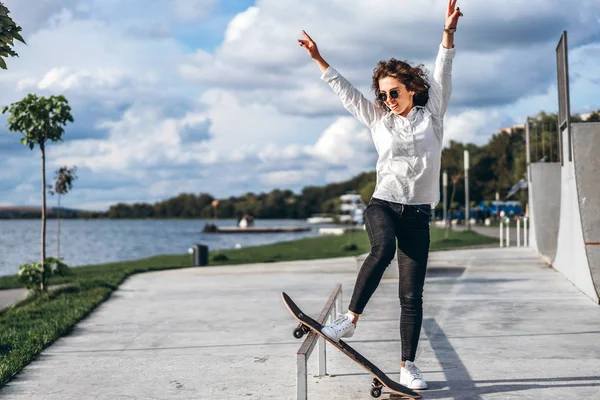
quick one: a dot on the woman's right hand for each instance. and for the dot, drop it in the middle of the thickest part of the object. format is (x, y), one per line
(310, 46)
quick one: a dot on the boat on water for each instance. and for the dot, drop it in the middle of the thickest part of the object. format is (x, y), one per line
(211, 228)
(246, 225)
(321, 219)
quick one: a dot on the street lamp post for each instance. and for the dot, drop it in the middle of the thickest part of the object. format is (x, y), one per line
(467, 214)
(445, 186)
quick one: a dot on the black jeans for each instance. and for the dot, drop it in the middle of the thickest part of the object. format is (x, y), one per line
(385, 222)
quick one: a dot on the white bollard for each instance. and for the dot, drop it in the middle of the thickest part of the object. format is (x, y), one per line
(501, 232)
(507, 232)
(525, 236)
(519, 232)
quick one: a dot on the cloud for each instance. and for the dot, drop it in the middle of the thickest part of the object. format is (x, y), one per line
(346, 141)
(141, 139)
(240, 24)
(473, 126)
(287, 178)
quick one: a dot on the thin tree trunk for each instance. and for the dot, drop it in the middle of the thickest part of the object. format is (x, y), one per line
(42, 147)
(58, 234)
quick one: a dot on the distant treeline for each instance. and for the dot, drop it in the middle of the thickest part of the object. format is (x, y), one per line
(8, 212)
(494, 168)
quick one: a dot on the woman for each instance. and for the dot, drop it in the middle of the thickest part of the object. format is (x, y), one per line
(406, 123)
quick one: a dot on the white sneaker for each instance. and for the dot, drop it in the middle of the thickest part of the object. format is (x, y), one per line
(341, 327)
(411, 377)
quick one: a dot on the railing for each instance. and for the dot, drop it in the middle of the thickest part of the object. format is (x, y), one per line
(505, 241)
(330, 311)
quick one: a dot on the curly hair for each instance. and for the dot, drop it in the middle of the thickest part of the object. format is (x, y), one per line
(414, 78)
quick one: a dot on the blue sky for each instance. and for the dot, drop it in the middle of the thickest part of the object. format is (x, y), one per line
(215, 96)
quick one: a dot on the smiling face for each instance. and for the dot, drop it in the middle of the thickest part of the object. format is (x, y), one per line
(403, 103)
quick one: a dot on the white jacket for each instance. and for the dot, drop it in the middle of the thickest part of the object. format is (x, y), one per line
(409, 148)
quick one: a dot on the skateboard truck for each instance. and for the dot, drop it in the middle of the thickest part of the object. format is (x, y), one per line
(376, 389)
(300, 331)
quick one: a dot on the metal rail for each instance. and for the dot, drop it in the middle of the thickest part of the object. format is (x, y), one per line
(330, 311)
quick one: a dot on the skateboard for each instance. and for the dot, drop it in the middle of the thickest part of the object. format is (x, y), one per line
(379, 378)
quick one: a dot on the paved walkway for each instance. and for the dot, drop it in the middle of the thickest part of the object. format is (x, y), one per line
(11, 296)
(498, 324)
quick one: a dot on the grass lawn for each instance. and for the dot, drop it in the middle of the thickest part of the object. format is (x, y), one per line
(35, 323)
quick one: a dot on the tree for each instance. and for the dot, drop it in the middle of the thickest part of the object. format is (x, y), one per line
(593, 117)
(63, 183)
(9, 31)
(39, 120)
(366, 192)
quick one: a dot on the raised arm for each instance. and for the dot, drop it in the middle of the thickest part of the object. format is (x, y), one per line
(441, 85)
(352, 99)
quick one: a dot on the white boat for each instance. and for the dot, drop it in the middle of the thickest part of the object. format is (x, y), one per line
(320, 219)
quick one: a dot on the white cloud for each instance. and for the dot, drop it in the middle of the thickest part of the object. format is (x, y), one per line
(240, 24)
(63, 78)
(141, 139)
(473, 126)
(287, 178)
(345, 142)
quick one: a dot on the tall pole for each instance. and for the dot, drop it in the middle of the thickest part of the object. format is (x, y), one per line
(215, 204)
(445, 185)
(527, 150)
(467, 214)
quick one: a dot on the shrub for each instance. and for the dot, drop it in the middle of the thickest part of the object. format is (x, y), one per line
(35, 276)
(220, 257)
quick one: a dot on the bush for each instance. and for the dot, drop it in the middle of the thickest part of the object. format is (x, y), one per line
(220, 257)
(35, 276)
(350, 247)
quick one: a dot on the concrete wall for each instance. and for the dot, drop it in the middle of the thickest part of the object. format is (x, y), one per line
(571, 254)
(544, 208)
(586, 152)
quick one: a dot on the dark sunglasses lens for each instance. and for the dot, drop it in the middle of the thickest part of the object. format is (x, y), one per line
(394, 94)
(382, 96)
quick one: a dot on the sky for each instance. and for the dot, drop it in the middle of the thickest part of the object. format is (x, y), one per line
(216, 96)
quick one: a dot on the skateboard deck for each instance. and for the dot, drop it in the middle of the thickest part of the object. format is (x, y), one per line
(380, 379)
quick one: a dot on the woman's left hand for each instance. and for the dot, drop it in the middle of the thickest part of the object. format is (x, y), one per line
(452, 15)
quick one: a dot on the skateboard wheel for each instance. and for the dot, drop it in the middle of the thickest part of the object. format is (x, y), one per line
(375, 392)
(298, 333)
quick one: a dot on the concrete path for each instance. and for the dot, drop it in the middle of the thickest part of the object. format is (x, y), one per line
(498, 324)
(9, 297)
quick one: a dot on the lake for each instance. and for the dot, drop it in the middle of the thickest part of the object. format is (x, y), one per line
(84, 242)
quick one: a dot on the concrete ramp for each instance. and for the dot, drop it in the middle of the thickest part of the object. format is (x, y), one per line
(578, 248)
(544, 208)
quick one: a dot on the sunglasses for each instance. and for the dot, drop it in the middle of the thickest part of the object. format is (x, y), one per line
(393, 94)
